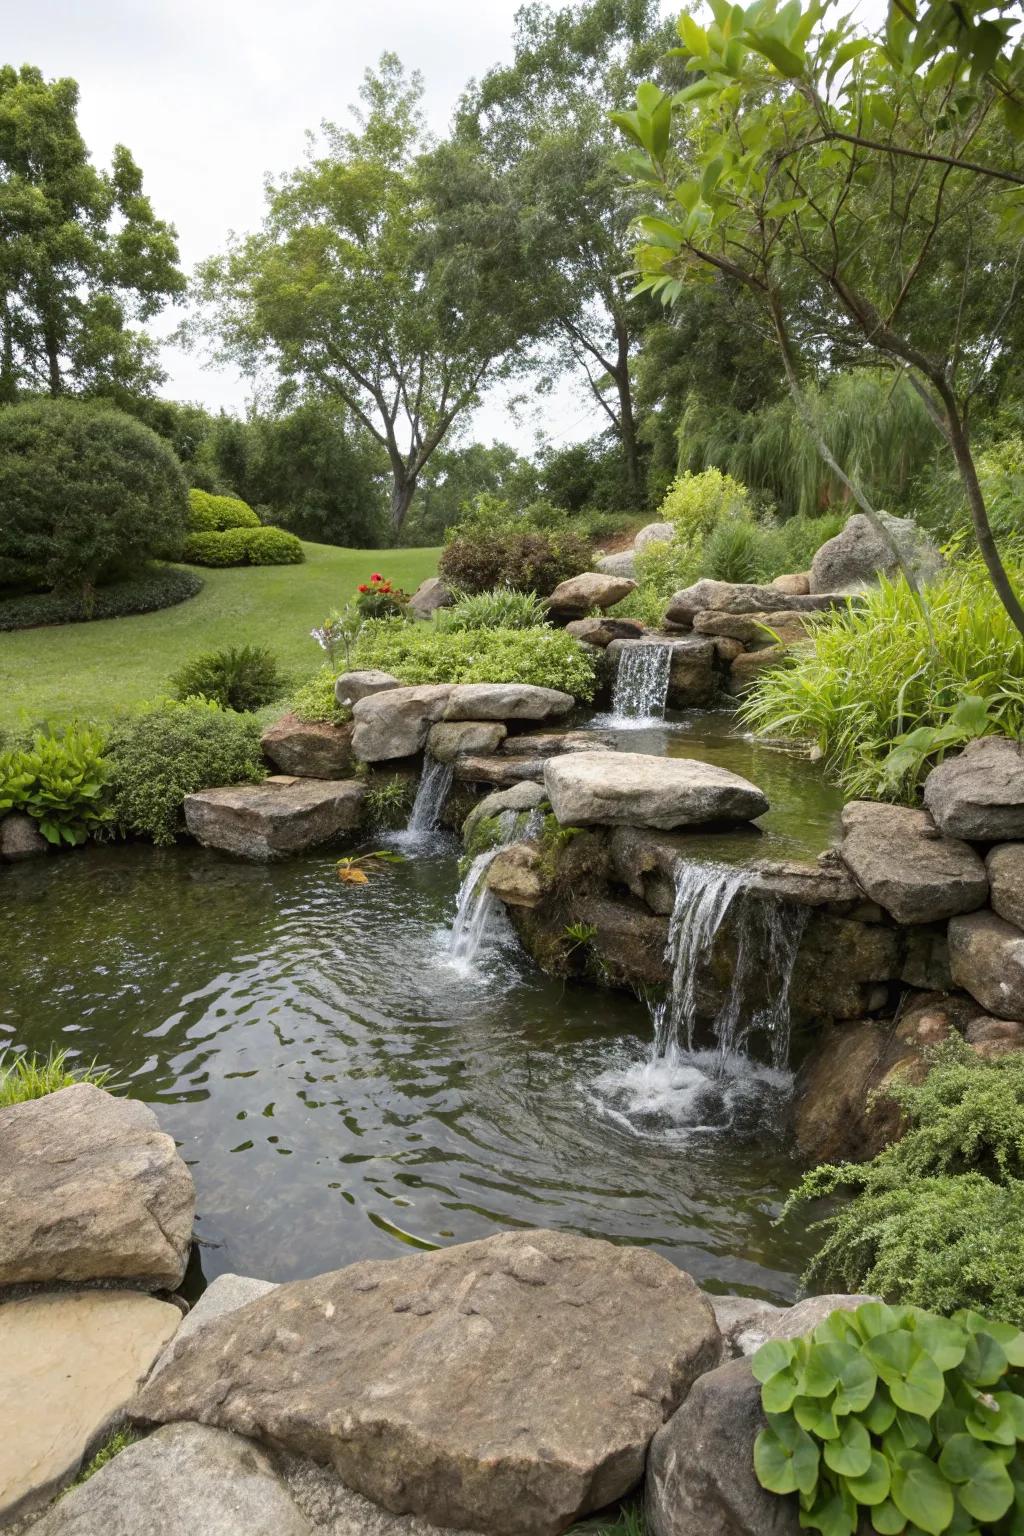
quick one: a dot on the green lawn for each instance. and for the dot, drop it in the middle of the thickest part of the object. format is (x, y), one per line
(89, 671)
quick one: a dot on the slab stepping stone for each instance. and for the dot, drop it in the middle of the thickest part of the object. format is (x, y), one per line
(901, 861)
(986, 958)
(581, 594)
(280, 816)
(506, 1386)
(309, 749)
(623, 789)
(91, 1189)
(498, 770)
(980, 793)
(72, 1362)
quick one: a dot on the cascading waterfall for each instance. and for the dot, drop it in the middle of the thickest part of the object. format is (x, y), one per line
(434, 786)
(478, 911)
(641, 681)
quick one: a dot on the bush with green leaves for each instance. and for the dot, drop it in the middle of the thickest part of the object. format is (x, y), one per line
(500, 608)
(240, 677)
(528, 562)
(418, 653)
(155, 587)
(169, 750)
(315, 701)
(273, 546)
(62, 781)
(697, 503)
(87, 495)
(243, 546)
(214, 514)
(896, 1420)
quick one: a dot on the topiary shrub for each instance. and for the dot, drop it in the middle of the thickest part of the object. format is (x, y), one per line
(273, 546)
(159, 586)
(242, 677)
(214, 514)
(243, 546)
(86, 493)
(527, 562)
(169, 750)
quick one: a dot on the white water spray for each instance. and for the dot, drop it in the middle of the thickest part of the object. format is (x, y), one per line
(478, 912)
(434, 786)
(641, 681)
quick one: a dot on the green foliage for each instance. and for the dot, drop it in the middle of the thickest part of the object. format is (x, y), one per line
(273, 546)
(938, 498)
(527, 562)
(736, 552)
(869, 674)
(501, 608)
(242, 678)
(910, 1418)
(928, 744)
(62, 782)
(31, 1077)
(118, 1441)
(487, 833)
(156, 587)
(379, 598)
(87, 494)
(387, 804)
(697, 504)
(315, 701)
(213, 514)
(169, 750)
(629, 1522)
(418, 653)
(243, 546)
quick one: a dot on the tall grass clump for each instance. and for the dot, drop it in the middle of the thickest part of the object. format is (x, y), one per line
(32, 1077)
(869, 674)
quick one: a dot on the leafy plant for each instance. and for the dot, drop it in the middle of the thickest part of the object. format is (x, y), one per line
(388, 803)
(928, 744)
(357, 871)
(420, 653)
(32, 1077)
(629, 1522)
(62, 782)
(910, 1418)
(379, 599)
(338, 634)
(156, 587)
(215, 514)
(243, 546)
(500, 608)
(528, 562)
(118, 1441)
(241, 677)
(315, 701)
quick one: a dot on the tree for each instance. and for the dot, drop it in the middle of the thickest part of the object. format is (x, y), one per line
(868, 191)
(456, 476)
(363, 287)
(81, 252)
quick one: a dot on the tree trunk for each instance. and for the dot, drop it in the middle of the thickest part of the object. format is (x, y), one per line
(627, 421)
(8, 390)
(979, 513)
(53, 360)
(403, 489)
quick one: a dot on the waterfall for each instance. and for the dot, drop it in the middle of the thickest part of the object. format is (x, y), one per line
(435, 783)
(641, 681)
(478, 911)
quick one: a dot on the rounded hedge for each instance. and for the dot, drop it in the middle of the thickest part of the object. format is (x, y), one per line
(244, 546)
(156, 587)
(87, 494)
(213, 514)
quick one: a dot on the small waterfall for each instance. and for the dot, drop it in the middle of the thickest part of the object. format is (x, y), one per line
(478, 911)
(641, 681)
(435, 783)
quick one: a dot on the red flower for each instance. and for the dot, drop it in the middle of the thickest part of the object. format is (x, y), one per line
(376, 577)
(363, 587)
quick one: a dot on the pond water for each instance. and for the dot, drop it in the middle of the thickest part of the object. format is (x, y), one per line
(332, 1077)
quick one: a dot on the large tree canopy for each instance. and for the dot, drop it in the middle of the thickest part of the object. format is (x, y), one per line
(82, 254)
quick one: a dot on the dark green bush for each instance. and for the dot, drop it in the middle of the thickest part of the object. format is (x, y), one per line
(243, 546)
(167, 751)
(86, 494)
(242, 677)
(528, 562)
(214, 514)
(158, 586)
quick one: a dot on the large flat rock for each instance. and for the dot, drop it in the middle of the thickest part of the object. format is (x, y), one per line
(979, 794)
(507, 1386)
(451, 739)
(617, 789)
(91, 1189)
(986, 958)
(506, 701)
(309, 749)
(901, 861)
(71, 1363)
(712, 596)
(280, 816)
(498, 770)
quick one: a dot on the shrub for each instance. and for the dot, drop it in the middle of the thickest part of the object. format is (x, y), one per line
(243, 678)
(315, 701)
(378, 599)
(696, 504)
(62, 782)
(158, 586)
(87, 494)
(740, 552)
(215, 549)
(213, 514)
(169, 750)
(274, 546)
(501, 608)
(418, 653)
(867, 675)
(32, 1077)
(898, 1416)
(527, 562)
(243, 546)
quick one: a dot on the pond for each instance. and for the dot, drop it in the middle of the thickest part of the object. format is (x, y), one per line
(333, 1080)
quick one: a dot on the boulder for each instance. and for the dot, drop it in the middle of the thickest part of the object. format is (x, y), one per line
(396, 723)
(226, 1293)
(623, 564)
(451, 739)
(756, 630)
(858, 555)
(693, 674)
(900, 860)
(744, 670)
(727, 650)
(518, 798)
(986, 958)
(980, 793)
(353, 686)
(925, 962)
(1005, 866)
(517, 876)
(185, 1480)
(505, 701)
(72, 1361)
(700, 1472)
(309, 749)
(581, 594)
(797, 584)
(843, 967)
(280, 816)
(619, 789)
(743, 1322)
(742, 597)
(334, 1510)
(489, 1385)
(498, 770)
(601, 632)
(793, 1322)
(654, 533)
(20, 838)
(428, 597)
(91, 1189)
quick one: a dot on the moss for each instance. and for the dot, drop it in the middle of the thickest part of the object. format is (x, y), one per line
(119, 1440)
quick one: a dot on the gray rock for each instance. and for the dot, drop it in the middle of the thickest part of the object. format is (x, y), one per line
(517, 876)
(700, 1472)
(843, 966)
(858, 555)
(353, 686)
(334, 1510)
(489, 1386)
(755, 630)
(631, 789)
(526, 796)
(396, 723)
(654, 533)
(280, 816)
(555, 743)
(223, 1295)
(506, 701)
(628, 940)
(741, 597)
(745, 669)
(184, 1480)
(901, 861)
(451, 739)
(601, 632)
(986, 958)
(926, 960)
(428, 597)
(797, 584)
(693, 675)
(309, 749)
(91, 1189)
(20, 838)
(581, 594)
(980, 793)
(1005, 865)
(623, 564)
(793, 1322)
(498, 770)
(744, 1322)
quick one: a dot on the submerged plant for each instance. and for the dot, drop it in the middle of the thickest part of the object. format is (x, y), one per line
(357, 871)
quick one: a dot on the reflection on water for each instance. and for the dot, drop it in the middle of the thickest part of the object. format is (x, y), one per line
(329, 1074)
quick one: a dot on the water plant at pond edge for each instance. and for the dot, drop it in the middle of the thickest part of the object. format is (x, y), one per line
(34, 1076)
(911, 1419)
(62, 782)
(357, 870)
(387, 803)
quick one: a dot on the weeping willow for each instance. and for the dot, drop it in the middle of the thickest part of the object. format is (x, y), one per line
(876, 426)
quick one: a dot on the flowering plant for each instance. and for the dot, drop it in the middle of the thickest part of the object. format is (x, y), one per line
(378, 598)
(339, 632)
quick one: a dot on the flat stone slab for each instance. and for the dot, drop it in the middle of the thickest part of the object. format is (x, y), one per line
(506, 701)
(395, 723)
(350, 687)
(901, 861)
(986, 958)
(618, 789)
(756, 630)
(491, 1386)
(91, 1189)
(498, 770)
(72, 1361)
(555, 743)
(275, 818)
(980, 793)
(309, 749)
(223, 1295)
(602, 631)
(707, 595)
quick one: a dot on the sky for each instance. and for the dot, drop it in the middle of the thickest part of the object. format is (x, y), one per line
(211, 95)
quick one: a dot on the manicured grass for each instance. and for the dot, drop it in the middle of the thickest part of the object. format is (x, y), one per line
(90, 671)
